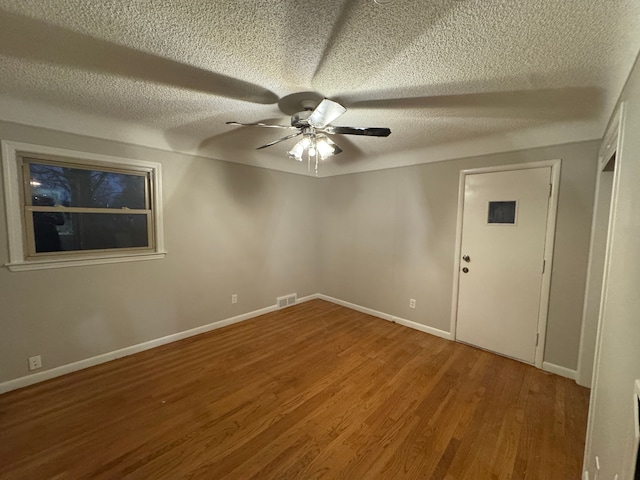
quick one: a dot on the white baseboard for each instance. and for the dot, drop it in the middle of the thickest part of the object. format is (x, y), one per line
(388, 317)
(106, 357)
(424, 328)
(558, 370)
(123, 352)
(314, 296)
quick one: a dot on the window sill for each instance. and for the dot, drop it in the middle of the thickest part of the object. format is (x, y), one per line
(77, 262)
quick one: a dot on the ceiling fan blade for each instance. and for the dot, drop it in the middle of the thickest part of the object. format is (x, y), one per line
(370, 132)
(240, 124)
(280, 140)
(325, 113)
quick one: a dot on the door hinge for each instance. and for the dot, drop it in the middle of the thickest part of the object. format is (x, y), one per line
(550, 189)
(537, 338)
(544, 265)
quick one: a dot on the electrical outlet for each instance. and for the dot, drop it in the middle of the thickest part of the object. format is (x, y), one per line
(412, 303)
(35, 362)
(234, 298)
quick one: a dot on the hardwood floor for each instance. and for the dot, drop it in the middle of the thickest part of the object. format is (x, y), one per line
(312, 391)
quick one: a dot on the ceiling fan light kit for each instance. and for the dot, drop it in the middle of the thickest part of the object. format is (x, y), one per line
(315, 147)
(313, 124)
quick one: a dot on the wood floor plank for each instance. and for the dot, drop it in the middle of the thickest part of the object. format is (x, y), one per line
(314, 391)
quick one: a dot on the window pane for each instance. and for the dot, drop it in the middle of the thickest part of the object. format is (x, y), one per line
(88, 231)
(46, 229)
(502, 212)
(77, 187)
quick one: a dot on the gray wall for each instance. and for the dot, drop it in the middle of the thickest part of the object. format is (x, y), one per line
(228, 229)
(611, 421)
(389, 235)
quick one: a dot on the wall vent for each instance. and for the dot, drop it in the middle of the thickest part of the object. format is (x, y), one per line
(286, 300)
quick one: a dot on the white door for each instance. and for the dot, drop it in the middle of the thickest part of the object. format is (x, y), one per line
(504, 224)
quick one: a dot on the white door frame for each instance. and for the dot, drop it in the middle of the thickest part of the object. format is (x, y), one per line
(610, 146)
(548, 245)
(613, 142)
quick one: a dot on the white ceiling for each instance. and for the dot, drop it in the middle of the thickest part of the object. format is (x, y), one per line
(451, 78)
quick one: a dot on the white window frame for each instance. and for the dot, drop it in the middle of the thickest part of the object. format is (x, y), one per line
(14, 205)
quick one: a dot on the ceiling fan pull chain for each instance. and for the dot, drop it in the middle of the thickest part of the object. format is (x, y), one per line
(313, 149)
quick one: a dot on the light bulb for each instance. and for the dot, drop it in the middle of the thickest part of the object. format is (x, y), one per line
(312, 151)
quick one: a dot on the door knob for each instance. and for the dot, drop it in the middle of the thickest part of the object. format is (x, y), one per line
(466, 258)
(465, 270)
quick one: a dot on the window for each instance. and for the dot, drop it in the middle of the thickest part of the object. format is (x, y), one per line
(66, 208)
(502, 213)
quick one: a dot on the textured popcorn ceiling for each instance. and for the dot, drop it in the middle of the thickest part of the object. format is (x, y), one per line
(451, 78)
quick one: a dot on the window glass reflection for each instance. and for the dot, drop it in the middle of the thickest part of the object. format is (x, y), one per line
(77, 187)
(88, 231)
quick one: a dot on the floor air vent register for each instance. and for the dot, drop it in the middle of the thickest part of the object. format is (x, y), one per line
(286, 301)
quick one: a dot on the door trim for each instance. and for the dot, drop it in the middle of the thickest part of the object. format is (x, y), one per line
(610, 145)
(555, 165)
(616, 131)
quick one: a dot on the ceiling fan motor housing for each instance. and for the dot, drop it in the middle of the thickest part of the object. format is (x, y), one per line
(301, 119)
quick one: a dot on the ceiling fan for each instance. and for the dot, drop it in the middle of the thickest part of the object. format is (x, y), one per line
(313, 123)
